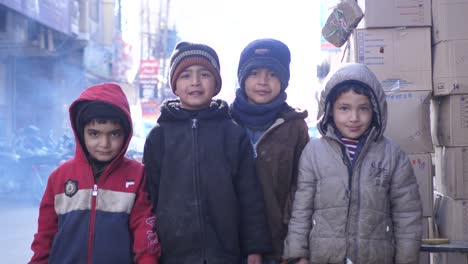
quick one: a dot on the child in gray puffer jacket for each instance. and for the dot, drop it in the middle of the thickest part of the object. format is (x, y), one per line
(357, 199)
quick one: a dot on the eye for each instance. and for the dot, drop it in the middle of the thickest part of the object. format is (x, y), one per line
(116, 134)
(343, 108)
(253, 73)
(366, 108)
(184, 75)
(273, 74)
(92, 133)
(206, 74)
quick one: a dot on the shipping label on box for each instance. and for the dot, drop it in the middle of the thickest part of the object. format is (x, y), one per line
(451, 67)
(395, 13)
(452, 218)
(409, 121)
(422, 167)
(452, 171)
(399, 57)
(452, 120)
(449, 18)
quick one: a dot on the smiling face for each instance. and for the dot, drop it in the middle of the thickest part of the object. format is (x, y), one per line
(262, 86)
(195, 86)
(352, 114)
(103, 139)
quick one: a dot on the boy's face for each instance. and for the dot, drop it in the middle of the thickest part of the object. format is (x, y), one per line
(262, 86)
(195, 87)
(352, 114)
(103, 139)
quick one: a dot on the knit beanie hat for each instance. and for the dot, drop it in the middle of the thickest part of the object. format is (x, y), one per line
(186, 54)
(89, 110)
(265, 53)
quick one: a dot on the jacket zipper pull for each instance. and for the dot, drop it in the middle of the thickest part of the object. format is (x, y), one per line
(95, 189)
(194, 123)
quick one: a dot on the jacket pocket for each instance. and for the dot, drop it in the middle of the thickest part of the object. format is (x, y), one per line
(380, 174)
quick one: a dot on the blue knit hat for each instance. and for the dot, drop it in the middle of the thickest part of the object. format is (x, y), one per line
(265, 53)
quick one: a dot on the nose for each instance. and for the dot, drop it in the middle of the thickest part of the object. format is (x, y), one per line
(262, 77)
(354, 116)
(195, 79)
(105, 141)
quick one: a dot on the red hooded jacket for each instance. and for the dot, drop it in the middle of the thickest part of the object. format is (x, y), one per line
(108, 221)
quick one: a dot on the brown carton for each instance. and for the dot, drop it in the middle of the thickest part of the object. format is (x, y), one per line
(395, 13)
(452, 171)
(422, 167)
(450, 258)
(452, 218)
(409, 121)
(451, 67)
(399, 57)
(452, 120)
(449, 20)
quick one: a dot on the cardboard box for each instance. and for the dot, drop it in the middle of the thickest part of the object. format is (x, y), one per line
(409, 121)
(449, 20)
(422, 166)
(424, 258)
(391, 54)
(395, 13)
(452, 219)
(451, 67)
(452, 120)
(452, 171)
(449, 258)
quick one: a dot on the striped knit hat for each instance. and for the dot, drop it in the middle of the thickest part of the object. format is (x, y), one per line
(186, 54)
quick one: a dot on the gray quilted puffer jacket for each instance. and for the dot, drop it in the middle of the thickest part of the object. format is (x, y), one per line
(369, 213)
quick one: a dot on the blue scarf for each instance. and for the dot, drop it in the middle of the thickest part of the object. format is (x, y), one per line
(256, 115)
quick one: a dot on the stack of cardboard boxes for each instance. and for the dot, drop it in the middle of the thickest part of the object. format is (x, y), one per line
(419, 51)
(450, 121)
(394, 41)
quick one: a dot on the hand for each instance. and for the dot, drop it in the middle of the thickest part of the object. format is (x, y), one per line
(254, 259)
(303, 261)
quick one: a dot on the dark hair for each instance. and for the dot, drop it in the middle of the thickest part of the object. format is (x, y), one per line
(340, 89)
(355, 86)
(101, 112)
(104, 121)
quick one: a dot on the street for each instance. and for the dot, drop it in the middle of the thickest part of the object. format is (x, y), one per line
(18, 223)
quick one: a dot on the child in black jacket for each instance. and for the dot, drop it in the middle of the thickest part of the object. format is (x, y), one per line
(200, 170)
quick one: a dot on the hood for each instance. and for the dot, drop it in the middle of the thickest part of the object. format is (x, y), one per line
(290, 113)
(353, 73)
(171, 110)
(110, 93)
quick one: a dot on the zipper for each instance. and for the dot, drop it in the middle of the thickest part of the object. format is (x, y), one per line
(349, 192)
(197, 184)
(92, 221)
(278, 122)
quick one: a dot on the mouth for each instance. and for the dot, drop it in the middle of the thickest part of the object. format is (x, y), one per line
(262, 92)
(104, 153)
(195, 93)
(354, 129)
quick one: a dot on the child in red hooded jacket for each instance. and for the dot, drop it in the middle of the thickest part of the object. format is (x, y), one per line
(95, 208)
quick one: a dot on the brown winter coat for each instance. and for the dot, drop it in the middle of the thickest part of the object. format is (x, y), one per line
(369, 213)
(278, 152)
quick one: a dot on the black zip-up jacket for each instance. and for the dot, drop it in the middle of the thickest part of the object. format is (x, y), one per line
(201, 178)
